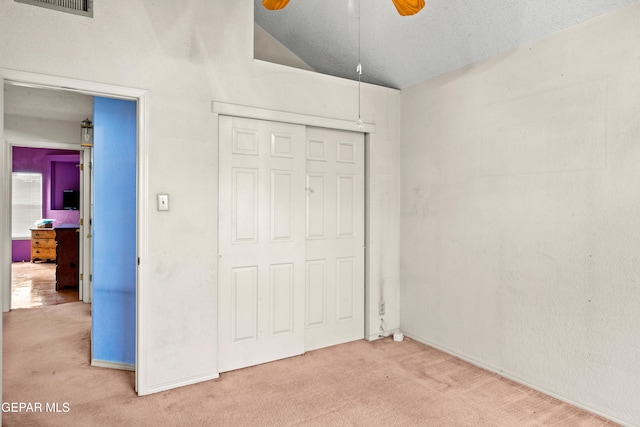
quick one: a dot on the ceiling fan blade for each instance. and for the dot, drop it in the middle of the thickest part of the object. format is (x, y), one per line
(274, 4)
(408, 7)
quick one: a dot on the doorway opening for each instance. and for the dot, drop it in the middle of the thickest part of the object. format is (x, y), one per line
(45, 228)
(42, 136)
(137, 116)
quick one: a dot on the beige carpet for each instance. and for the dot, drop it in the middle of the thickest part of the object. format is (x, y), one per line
(382, 383)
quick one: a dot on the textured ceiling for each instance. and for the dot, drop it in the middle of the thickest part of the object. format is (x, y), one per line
(400, 51)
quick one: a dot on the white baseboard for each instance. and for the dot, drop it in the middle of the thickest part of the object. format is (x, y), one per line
(382, 334)
(514, 378)
(113, 365)
(181, 383)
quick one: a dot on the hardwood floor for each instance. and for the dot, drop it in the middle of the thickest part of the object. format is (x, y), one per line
(34, 285)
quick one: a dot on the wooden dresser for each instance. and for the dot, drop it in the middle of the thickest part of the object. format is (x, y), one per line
(43, 244)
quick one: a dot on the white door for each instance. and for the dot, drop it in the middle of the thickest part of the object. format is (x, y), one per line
(334, 270)
(261, 243)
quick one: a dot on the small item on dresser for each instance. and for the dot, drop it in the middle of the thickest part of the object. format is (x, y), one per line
(44, 223)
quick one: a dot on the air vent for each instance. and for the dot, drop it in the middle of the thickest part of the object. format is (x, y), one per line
(78, 7)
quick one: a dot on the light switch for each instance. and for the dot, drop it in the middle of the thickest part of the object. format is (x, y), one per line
(163, 202)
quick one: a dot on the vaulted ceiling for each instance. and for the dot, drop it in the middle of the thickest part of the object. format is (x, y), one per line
(331, 35)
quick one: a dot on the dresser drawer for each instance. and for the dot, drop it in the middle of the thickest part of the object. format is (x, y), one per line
(43, 234)
(43, 243)
(43, 253)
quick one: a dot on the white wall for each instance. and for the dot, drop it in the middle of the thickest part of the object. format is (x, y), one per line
(188, 54)
(23, 129)
(520, 228)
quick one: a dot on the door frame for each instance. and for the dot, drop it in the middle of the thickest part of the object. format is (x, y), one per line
(141, 97)
(368, 129)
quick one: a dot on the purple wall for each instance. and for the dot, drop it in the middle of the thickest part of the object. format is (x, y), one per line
(59, 172)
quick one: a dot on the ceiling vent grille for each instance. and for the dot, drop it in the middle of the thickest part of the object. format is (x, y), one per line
(77, 7)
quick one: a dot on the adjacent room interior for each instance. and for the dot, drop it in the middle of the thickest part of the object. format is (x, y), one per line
(45, 260)
(42, 126)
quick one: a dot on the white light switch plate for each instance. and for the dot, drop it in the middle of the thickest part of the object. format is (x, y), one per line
(163, 202)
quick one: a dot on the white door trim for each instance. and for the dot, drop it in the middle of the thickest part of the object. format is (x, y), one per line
(96, 89)
(236, 110)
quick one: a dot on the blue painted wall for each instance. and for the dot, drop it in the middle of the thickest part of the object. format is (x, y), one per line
(114, 231)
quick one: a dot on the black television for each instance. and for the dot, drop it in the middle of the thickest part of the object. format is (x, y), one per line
(71, 200)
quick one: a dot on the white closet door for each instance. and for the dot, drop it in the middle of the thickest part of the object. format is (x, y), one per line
(262, 242)
(334, 270)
